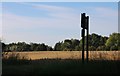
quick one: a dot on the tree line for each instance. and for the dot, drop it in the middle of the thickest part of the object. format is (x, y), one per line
(96, 43)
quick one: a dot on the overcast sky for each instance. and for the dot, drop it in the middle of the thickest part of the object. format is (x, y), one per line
(51, 22)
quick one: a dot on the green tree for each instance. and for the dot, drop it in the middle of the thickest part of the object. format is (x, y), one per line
(11, 47)
(95, 41)
(113, 42)
(75, 44)
(92, 48)
(78, 48)
(33, 46)
(43, 47)
(101, 48)
(58, 47)
(22, 46)
(3, 47)
(49, 48)
(67, 45)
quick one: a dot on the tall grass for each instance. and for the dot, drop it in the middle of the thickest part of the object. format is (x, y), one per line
(14, 58)
(63, 67)
(19, 64)
(93, 55)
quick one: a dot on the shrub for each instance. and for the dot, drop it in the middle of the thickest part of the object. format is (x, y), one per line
(92, 48)
(101, 48)
(15, 58)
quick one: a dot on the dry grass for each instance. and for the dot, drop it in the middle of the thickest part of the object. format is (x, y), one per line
(93, 55)
(105, 55)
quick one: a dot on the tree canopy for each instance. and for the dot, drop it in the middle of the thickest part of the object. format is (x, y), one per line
(22, 46)
(96, 43)
(113, 43)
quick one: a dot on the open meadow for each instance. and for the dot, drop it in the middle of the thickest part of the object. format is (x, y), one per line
(60, 63)
(93, 55)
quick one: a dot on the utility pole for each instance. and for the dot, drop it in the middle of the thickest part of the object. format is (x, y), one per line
(87, 43)
(85, 26)
(83, 39)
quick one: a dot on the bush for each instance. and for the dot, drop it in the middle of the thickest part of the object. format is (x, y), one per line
(118, 48)
(14, 58)
(113, 48)
(92, 48)
(101, 48)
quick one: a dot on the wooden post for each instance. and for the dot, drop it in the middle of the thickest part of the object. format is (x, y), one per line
(83, 38)
(85, 25)
(83, 34)
(87, 43)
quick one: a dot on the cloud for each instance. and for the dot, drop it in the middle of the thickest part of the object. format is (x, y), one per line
(15, 21)
(61, 23)
(104, 20)
(59, 18)
(106, 11)
(49, 8)
(52, 8)
(34, 29)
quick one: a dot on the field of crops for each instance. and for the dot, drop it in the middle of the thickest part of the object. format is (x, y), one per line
(60, 63)
(94, 55)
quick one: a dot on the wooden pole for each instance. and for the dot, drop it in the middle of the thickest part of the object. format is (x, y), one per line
(87, 42)
(83, 38)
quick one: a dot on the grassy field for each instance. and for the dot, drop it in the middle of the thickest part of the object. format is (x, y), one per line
(62, 67)
(93, 55)
(60, 63)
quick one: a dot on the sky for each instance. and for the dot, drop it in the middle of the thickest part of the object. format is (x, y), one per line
(51, 22)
